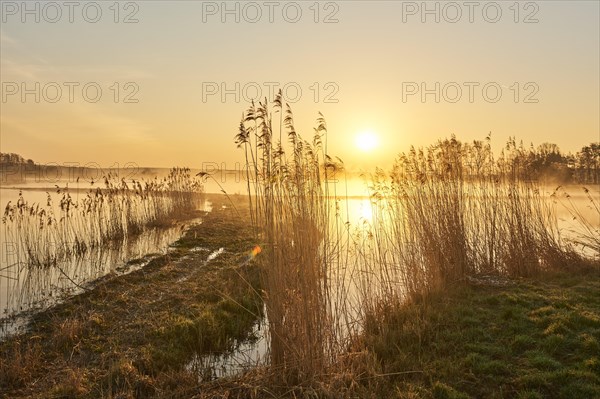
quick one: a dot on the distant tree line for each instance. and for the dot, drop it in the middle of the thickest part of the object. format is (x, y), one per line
(13, 166)
(548, 162)
(14, 159)
(586, 164)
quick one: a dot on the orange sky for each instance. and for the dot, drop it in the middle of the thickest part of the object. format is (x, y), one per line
(162, 76)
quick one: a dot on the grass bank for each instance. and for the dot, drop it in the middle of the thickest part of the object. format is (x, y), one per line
(526, 338)
(529, 339)
(131, 336)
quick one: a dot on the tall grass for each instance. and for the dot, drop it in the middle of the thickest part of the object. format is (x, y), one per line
(43, 234)
(452, 211)
(584, 225)
(442, 215)
(292, 206)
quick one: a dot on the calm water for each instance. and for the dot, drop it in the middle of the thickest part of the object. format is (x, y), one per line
(24, 289)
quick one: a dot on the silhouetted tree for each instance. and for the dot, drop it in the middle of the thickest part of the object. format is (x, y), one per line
(588, 164)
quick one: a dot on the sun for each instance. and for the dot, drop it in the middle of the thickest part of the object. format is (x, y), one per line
(367, 141)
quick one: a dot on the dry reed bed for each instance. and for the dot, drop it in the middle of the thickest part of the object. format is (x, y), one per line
(452, 211)
(443, 214)
(44, 234)
(291, 206)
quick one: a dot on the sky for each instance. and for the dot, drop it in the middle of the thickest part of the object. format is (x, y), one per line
(158, 83)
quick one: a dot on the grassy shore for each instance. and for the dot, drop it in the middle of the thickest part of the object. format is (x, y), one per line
(527, 339)
(131, 336)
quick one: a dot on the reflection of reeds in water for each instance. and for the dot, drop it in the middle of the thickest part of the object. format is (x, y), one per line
(43, 234)
(30, 288)
(41, 239)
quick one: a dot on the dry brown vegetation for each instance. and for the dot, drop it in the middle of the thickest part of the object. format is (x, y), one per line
(44, 234)
(452, 211)
(444, 215)
(292, 208)
(132, 335)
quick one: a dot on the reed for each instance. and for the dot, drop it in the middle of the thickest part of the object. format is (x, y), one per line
(292, 207)
(46, 234)
(584, 222)
(443, 215)
(41, 240)
(452, 212)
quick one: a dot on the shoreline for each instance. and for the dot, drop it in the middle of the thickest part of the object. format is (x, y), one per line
(130, 334)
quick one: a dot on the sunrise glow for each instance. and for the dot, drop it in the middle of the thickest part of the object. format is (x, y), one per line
(367, 141)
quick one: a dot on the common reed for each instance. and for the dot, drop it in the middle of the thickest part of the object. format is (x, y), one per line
(59, 245)
(42, 234)
(452, 212)
(584, 224)
(443, 215)
(292, 206)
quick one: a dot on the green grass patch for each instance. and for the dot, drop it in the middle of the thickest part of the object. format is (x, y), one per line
(534, 339)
